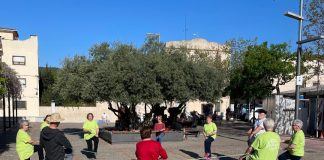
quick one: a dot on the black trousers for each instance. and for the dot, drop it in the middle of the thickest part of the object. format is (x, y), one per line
(207, 145)
(287, 155)
(39, 150)
(95, 141)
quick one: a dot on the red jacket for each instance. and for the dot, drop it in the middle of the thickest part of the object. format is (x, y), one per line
(150, 150)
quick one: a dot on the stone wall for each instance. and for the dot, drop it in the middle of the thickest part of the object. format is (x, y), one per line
(284, 114)
(78, 114)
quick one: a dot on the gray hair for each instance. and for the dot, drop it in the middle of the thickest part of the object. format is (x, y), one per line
(23, 122)
(269, 124)
(298, 122)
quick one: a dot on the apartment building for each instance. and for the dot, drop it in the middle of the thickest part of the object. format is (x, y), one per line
(22, 57)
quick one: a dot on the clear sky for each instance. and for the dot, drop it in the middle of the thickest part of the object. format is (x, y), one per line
(69, 27)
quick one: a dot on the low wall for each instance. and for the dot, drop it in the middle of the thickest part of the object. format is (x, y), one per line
(78, 114)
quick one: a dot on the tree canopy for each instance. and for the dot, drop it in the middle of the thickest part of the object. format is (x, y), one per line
(152, 75)
(258, 69)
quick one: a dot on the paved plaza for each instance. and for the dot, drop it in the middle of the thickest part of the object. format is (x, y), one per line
(230, 143)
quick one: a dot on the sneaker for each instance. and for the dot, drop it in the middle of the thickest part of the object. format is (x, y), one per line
(206, 156)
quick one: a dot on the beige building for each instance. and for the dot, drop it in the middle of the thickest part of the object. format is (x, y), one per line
(22, 57)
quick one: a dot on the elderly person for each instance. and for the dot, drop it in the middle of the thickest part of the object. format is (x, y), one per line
(25, 146)
(295, 149)
(265, 146)
(45, 122)
(258, 126)
(210, 133)
(91, 133)
(148, 149)
(53, 140)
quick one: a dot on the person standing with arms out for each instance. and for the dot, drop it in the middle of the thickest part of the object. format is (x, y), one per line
(45, 123)
(148, 149)
(258, 126)
(91, 133)
(53, 140)
(210, 132)
(25, 146)
(296, 144)
(266, 146)
(159, 127)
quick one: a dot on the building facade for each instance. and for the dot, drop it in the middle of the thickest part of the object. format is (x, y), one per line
(22, 57)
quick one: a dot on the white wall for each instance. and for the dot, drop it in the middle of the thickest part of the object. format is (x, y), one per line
(29, 71)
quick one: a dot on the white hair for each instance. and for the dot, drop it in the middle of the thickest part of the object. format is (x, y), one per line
(298, 122)
(23, 122)
(268, 124)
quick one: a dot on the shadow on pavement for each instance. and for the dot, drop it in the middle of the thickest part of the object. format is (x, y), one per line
(220, 135)
(191, 154)
(73, 131)
(7, 138)
(223, 157)
(88, 154)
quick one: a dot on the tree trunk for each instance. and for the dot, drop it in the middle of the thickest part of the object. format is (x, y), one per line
(278, 89)
(4, 112)
(13, 110)
(9, 116)
(16, 104)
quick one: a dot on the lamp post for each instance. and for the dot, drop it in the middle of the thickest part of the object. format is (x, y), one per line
(299, 50)
(299, 80)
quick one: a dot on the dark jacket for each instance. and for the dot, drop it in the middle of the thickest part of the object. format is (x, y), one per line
(54, 143)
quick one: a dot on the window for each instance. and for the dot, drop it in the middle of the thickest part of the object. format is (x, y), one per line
(21, 104)
(18, 60)
(22, 82)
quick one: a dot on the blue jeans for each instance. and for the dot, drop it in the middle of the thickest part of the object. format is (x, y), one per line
(287, 155)
(207, 145)
(159, 136)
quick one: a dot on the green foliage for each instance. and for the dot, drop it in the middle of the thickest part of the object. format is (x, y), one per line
(73, 82)
(9, 81)
(130, 76)
(47, 78)
(261, 69)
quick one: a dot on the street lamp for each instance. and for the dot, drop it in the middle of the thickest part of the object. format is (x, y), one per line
(299, 49)
(311, 39)
(299, 80)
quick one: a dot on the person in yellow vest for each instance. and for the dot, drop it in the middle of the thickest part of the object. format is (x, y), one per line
(266, 146)
(91, 133)
(296, 144)
(210, 131)
(45, 123)
(25, 146)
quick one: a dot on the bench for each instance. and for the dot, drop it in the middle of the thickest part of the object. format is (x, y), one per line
(191, 132)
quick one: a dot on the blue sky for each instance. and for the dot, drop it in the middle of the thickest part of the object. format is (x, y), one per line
(69, 27)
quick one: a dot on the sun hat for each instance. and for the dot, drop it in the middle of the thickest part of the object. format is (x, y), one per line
(55, 117)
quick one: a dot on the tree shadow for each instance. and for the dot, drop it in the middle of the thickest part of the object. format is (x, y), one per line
(223, 157)
(73, 131)
(88, 154)
(7, 138)
(191, 154)
(232, 138)
(196, 156)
